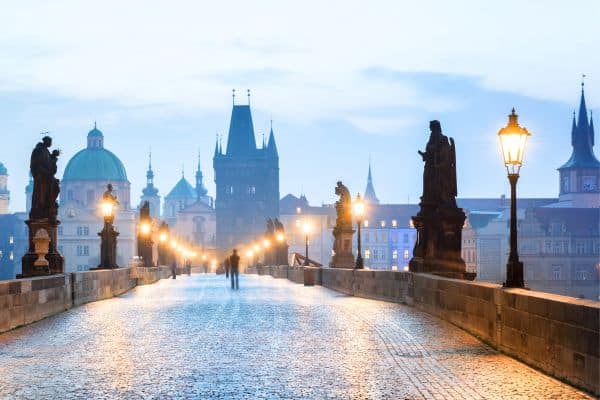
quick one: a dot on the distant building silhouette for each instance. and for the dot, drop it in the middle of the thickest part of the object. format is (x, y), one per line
(150, 192)
(247, 181)
(370, 196)
(4, 192)
(579, 176)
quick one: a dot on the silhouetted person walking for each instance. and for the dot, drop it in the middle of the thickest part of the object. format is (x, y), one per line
(227, 267)
(174, 269)
(234, 262)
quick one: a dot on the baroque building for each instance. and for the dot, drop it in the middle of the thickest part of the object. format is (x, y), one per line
(84, 181)
(247, 182)
(150, 192)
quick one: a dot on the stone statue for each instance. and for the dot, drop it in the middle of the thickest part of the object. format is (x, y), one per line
(43, 213)
(270, 228)
(439, 221)
(439, 176)
(343, 232)
(343, 206)
(46, 187)
(278, 225)
(108, 196)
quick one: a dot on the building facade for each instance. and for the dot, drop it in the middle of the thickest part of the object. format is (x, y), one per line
(247, 183)
(84, 181)
(4, 192)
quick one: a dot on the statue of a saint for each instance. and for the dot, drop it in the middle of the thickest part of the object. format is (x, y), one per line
(439, 176)
(343, 206)
(278, 225)
(46, 187)
(270, 228)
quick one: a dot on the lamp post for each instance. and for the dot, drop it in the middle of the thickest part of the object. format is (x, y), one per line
(163, 238)
(513, 139)
(108, 235)
(358, 209)
(306, 229)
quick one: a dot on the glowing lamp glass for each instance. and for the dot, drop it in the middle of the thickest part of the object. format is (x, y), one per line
(145, 229)
(513, 139)
(280, 237)
(107, 208)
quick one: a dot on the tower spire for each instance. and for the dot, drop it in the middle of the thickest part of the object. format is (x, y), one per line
(233, 96)
(370, 195)
(248, 96)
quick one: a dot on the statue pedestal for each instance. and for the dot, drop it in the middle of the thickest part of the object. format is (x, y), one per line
(439, 240)
(56, 261)
(108, 247)
(342, 247)
(281, 254)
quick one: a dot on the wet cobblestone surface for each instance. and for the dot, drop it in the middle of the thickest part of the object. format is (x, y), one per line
(194, 338)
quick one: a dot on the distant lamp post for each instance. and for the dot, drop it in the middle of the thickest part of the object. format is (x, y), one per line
(163, 239)
(306, 228)
(513, 139)
(108, 235)
(144, 239)
(358, 209)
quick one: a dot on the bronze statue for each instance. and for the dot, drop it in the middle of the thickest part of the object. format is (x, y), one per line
(278, 225)
(270, 228)
(439, 175)
(343, 206)
(46, 187)
(342, 232)
(44, 210)
(439, 221)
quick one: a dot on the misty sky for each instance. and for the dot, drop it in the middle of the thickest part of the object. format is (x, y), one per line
(342, 80)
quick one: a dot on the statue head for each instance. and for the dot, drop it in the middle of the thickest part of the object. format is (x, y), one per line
(435, 127)
(109, 187)
(234, 251)
(47, 141)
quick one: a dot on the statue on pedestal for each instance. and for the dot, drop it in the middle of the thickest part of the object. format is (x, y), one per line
(282, 247)
(342, 232)
(144, 236)
(108, 235)
(44, 210)
(439, 222)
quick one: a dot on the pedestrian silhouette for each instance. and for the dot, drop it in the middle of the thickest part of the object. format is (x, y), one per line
(227, 267)
(234, 262)
(174, 270)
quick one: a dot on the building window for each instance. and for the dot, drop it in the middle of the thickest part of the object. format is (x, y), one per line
(405, 254)
(367, 237)
(298, 210)
(580, 247)
(411, 223)
(251, 189)
(230, 189)
(406, 238)
(394, 223)
(394, 237)
(556, 248)
(83, 250)
(581, 275)
(383, 224)
(367, 254)
(11, 256)
(556, 275)
(366, 223)
(394, 268)
(395, 254)
(83, 231)
(11, 239)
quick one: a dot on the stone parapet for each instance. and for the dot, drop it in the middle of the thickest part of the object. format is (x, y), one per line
(23, 301)
(102, 284)
(557, 334)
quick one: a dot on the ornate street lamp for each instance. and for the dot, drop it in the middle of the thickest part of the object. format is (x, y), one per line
(163, 239)
(108, 235)
(306, 228)
(358, 209)
(144, 237)
(513, 139)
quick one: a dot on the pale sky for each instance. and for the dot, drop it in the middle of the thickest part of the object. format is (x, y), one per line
(342, 80)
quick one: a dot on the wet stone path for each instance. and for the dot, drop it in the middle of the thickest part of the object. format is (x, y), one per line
(194, 338)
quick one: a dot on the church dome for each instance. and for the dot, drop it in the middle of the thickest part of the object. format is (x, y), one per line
(95, 163)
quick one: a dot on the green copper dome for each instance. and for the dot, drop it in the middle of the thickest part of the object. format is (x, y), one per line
(95, 163)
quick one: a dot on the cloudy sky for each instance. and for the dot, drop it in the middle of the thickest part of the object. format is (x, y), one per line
(342, 80)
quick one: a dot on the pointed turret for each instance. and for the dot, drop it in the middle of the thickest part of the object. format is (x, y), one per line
(200, 189)
(582, 139)
(591, 128)
(241, 140)
(217, 147)
(150, 193)
(370, 195)
(272, 146)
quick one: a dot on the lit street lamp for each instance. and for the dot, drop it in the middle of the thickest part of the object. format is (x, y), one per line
(306, 228)
(358, 209)
(144, 237)
(513, 139)
(163, 238)
(108, 235)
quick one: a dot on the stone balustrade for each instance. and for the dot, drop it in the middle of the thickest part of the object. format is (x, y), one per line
(23, 301)
(557, 334)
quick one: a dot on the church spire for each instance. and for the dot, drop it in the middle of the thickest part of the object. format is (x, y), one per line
(272, 146)
(370, 195)
(582, 123)
(591, 128)
(200, 189)
(150, 173)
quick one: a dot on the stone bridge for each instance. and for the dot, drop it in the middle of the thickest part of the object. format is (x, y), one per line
(195, 338)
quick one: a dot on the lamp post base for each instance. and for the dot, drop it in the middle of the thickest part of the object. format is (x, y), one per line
(359, 262)
(514, 275)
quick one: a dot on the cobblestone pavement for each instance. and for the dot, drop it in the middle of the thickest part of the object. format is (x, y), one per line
(194, 338)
